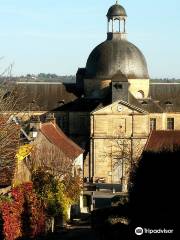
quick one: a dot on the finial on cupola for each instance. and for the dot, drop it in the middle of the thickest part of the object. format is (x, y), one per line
(117, 2)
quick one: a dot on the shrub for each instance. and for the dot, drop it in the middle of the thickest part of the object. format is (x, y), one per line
(34, 211)
(54, 193)
(11, 210)
(22, 213)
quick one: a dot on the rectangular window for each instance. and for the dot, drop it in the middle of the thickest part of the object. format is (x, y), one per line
(152, 124)
(170, 123)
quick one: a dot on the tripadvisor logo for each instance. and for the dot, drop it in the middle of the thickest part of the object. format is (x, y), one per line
(139, 231)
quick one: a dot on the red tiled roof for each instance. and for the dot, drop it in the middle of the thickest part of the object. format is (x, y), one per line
(57, 137)
(159, 140)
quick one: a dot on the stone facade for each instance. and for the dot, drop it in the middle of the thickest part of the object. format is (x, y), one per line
(118, 134)
(139, 86)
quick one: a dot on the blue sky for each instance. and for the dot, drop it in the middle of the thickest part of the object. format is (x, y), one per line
(56, 36)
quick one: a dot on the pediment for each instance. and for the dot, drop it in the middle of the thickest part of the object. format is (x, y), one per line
(119, 107)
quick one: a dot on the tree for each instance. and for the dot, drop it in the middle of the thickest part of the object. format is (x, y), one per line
(126, 157)
(10, 104)
(56, 195)
(9, 133)
(124, 153)
(50, 158)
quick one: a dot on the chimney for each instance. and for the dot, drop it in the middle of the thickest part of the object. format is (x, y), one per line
(35, 122)
(50, 118)
(35, 125)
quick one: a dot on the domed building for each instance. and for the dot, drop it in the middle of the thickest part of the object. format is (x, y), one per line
(124, 105)
(112, 108)
(116, 57)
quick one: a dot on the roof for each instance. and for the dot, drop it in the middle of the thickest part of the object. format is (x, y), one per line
(80, 105)
(116, 11)
(150, 105)
(58, 138)
(45, 96)
(166, 96)
(162, 140)
(164, 91)
(113, 56)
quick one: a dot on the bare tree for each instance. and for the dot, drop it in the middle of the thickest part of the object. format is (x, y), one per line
(9, 138)
(123, 152)
(48, 157)
(125, 155)
(10, 105)
(9, 133)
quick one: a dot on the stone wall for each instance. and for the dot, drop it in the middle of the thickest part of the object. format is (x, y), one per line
(108, 125)
(139, 85)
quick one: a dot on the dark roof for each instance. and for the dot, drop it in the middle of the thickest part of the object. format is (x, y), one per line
(116, 10)
(114, 55)
(167, 96)
(150, 106)
(163, 140)
(45, 96)
(81, 105)
(164, 91)
(57, 137)
(133, 101)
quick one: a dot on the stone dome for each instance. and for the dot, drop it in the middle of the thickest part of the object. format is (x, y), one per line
(114, 56)
(116, 10)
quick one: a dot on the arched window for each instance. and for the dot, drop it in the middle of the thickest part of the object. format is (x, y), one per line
(116, 25)
(140, 94)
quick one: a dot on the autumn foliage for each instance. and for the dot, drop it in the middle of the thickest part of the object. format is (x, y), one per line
(22, 213)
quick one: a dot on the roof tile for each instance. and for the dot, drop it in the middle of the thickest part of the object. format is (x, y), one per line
(57, 137)
(163, 140)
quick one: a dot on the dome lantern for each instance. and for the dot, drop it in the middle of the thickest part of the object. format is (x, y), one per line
(116, 20)
(116, 63)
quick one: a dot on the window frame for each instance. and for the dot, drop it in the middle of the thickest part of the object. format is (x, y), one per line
(154, 126)
(170, 123)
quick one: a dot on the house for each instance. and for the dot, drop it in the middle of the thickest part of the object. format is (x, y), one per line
(51, 150)
(55, 152)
